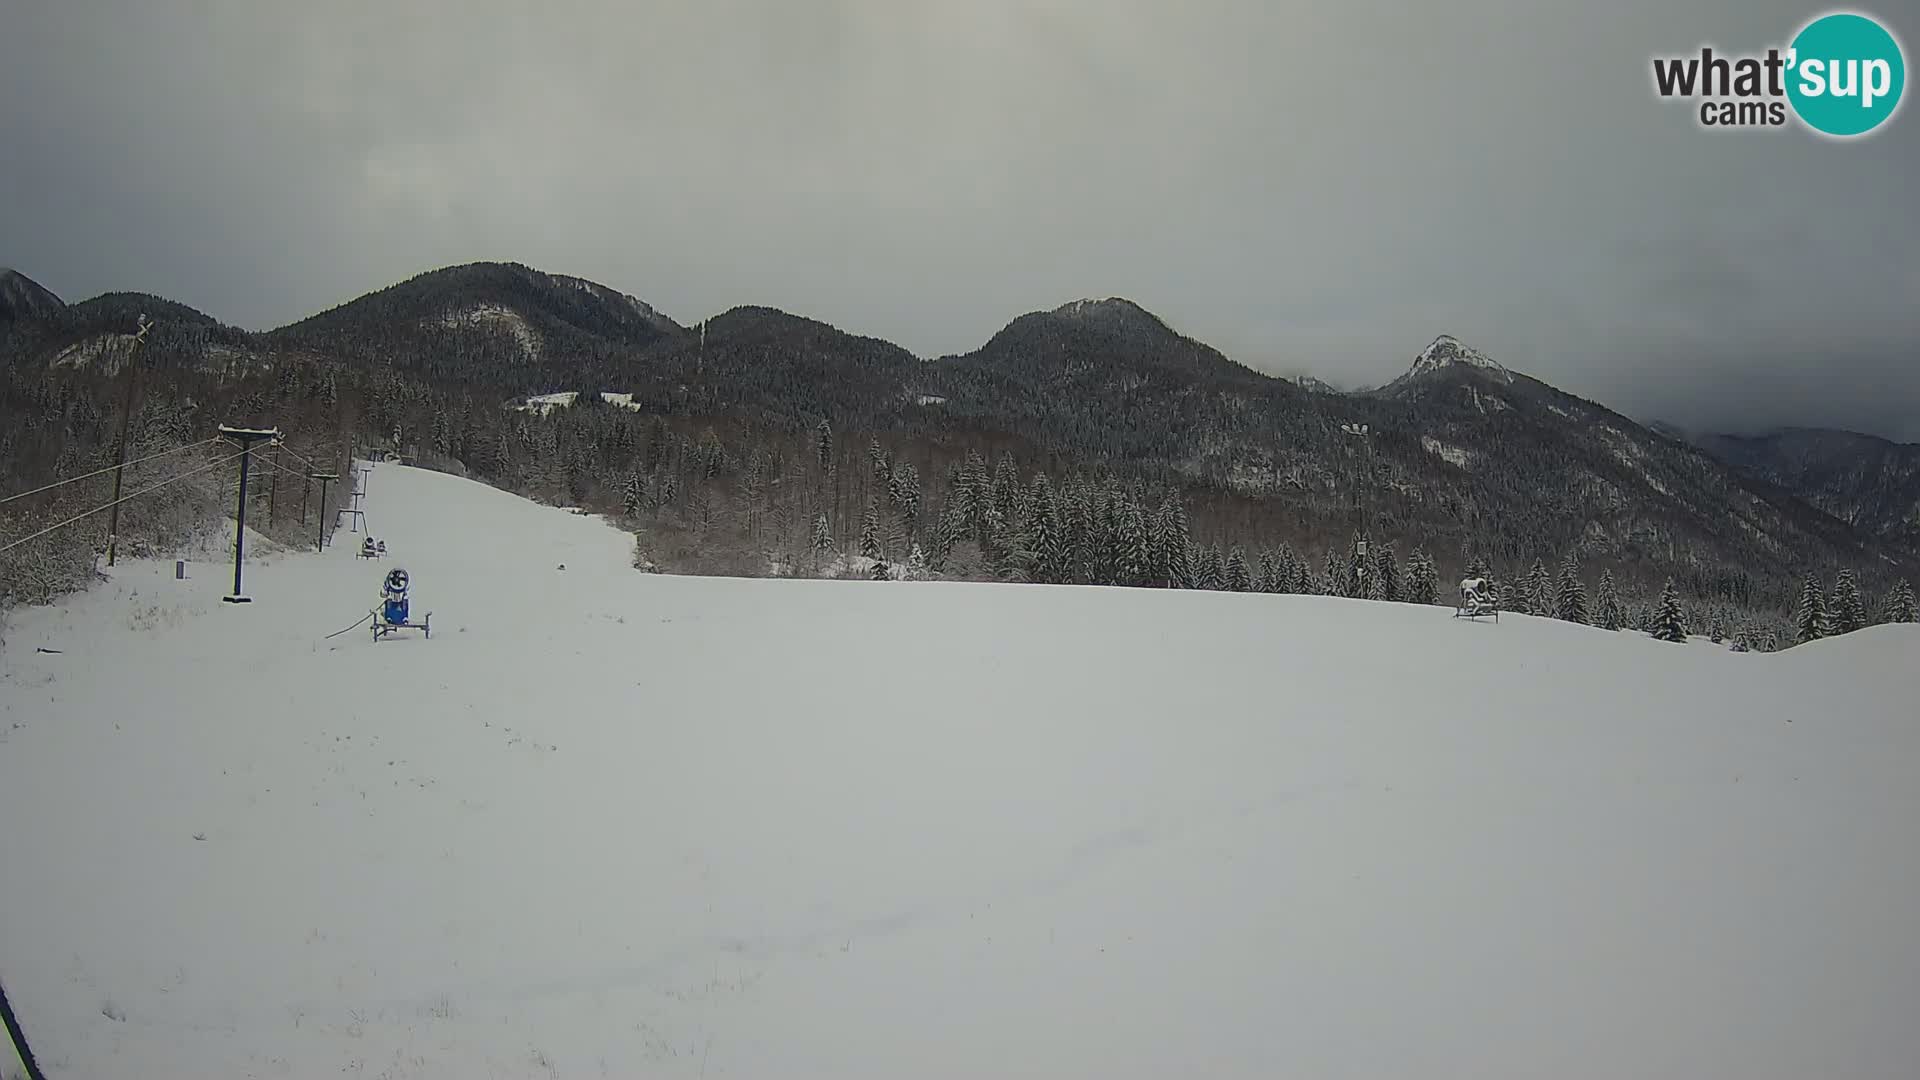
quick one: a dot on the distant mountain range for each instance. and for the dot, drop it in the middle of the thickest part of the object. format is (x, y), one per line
(1869, 482)
(1465, 452)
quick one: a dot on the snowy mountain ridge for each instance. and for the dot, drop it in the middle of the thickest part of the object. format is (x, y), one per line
(1109, 305)
(21, 297)
(1446, 351)
(1117, 315)
(640, 307)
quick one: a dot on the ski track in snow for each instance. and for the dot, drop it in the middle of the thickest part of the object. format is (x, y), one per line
(607, 823)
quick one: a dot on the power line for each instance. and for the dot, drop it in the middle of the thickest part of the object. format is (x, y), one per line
(296, 475)
(108, 469)
(303, 476)
(305, 461)
(300, 476)
(116, 502)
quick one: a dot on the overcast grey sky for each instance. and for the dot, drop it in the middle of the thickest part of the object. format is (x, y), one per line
(1311, 188)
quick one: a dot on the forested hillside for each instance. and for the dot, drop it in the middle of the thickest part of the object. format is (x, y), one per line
(1091, 443)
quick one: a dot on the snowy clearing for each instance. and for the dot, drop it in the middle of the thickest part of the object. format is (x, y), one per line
(1448, 453)
(607, 823)
(546, 403)
(496, 316)
(1633, 456)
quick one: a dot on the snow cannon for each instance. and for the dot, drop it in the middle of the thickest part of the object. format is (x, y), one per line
(394, 596)
(393, 611)
(1474, 601)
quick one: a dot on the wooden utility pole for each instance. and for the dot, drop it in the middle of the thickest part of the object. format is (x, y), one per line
(273, 489)
(246, 437)
(126, 419)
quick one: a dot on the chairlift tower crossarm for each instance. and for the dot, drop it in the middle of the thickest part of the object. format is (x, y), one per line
(325, 480)
(246, 438)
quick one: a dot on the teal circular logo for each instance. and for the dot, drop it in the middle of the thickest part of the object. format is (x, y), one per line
(1846, 74)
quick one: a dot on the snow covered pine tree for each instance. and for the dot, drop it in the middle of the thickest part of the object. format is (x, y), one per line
(1812, 622)
(1611, 613)
(1383, 583)
(1533, 590)
(1668, 623)
(1848, 613)
(1572, 605)
(1211, 570)
(1900, 605)
(870, 535)
(1423, 580)
(1235, 575)
(1268, 578)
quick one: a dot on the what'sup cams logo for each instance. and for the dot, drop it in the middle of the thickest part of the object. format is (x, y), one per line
(1841, 76)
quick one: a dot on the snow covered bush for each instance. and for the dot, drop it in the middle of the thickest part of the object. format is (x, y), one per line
(42, 571)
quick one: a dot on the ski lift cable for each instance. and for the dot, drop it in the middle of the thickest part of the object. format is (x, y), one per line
(296, 475)
(308, 462)
(108, 469)
(116, 502)
(290, 472)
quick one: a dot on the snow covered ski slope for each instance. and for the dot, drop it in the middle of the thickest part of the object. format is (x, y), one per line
(622, 825)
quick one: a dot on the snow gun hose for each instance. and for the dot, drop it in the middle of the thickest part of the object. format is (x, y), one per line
(355, 626)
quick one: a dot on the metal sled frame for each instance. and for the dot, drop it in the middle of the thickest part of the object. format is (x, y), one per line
(1463, 613)
(381, 627)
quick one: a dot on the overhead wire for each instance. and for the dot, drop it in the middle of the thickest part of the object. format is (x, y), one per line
(295, 474)
(155, 487)
(108, 469)
(290, 472)
(107, 506)
(308, 462)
